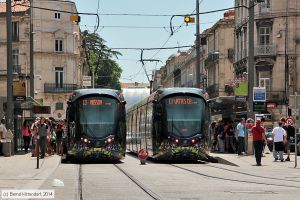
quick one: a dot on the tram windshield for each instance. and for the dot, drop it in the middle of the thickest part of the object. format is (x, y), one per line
(185, 115)
(97, 116)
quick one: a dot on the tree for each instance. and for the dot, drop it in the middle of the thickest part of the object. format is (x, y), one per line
(100, 61)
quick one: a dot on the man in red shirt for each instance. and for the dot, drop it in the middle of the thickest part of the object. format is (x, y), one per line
(259, 139)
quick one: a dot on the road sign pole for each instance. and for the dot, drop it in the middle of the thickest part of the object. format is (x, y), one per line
(38, 152)
(296, 149)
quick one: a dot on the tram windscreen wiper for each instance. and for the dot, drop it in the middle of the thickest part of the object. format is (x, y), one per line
(89, 130)
(173, 126)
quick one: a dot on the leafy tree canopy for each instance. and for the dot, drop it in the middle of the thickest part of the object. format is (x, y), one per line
(100, 61)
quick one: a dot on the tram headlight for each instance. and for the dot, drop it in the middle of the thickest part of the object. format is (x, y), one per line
(85, 140)
(110, 139)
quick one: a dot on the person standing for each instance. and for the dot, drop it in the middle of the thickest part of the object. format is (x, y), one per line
(26, 136)
(290, 132)
(221, 136)
(240, 128)
(59, 135)
(34, 138)
(279, 141)
(259, 138)
(42, 133)
(3, 129)
(229, 138)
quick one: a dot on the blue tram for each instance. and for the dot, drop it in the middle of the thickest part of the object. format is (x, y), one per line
(96, 126)
(171, 124)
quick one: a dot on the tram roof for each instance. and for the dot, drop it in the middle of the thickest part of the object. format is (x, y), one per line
(96, 91)
(179, 90)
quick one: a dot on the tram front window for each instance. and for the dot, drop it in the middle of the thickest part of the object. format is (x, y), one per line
(97, 116)
(185, 115)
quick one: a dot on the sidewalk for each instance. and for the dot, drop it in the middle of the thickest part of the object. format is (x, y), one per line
(249, 160)
(19, 171)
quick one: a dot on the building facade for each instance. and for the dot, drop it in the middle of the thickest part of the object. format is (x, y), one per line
(277, 49)
(218, 65)
(58, 57)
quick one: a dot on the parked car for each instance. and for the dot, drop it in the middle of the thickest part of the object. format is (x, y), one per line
(292, 143)
(269, 137)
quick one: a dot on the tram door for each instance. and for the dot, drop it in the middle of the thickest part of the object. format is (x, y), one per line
(142, 128)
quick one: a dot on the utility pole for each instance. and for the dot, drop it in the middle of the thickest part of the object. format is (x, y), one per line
(31, 52)
(198, 75)
(286, 61)
(251, 57)
(10, 103)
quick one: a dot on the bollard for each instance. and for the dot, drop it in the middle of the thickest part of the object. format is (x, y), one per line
(143, 162)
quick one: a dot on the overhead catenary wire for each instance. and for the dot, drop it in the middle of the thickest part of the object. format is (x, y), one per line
(64, 11)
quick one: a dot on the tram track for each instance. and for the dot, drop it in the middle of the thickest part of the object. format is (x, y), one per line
(152, 194)
(232, 179)
(253, 175)
(79, 195)
(237, 172)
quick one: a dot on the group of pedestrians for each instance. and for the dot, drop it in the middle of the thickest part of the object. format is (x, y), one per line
(50, 134)
(231, 138)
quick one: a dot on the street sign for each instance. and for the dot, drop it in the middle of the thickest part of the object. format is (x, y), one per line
(271, 105)
(87, 81)
(143, 154)
(41, 109)
(259, 94)
(259, 106)
(290, 121)
(19, 90)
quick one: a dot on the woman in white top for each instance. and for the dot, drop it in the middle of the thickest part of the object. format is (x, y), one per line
(279, 140)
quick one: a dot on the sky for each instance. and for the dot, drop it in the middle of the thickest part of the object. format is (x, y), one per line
(146, 31)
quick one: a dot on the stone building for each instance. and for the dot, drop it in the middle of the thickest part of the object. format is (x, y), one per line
(58, 57)
(218, 65)
(277, 49)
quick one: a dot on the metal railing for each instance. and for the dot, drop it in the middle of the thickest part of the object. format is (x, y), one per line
(212, 57)
(275, 96)
(59, 88)
(17, 69)
(265, 50)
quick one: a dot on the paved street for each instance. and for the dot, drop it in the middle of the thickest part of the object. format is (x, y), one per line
(130, 180)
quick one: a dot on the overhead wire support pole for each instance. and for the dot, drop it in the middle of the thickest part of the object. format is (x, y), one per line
(31, 53)
(198, 75)
(10, 104)
(286, 61)
(251, 57)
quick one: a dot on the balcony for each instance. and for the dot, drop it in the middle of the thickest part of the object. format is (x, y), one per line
(17, 69)
(275, 96)
(265, 50)
(212, 57)
(59, 88)
(213, 90)
(230, 54)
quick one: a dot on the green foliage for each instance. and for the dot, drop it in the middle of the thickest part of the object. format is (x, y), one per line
(100, 61)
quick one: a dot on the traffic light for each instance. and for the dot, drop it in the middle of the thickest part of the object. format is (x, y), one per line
(75, 18)
(189, 19)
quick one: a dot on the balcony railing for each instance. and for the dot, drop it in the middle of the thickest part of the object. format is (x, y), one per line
(212, 57)
(59, 88)
(213, 90)
(17, 69)
(265, 50)
(276, 96)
